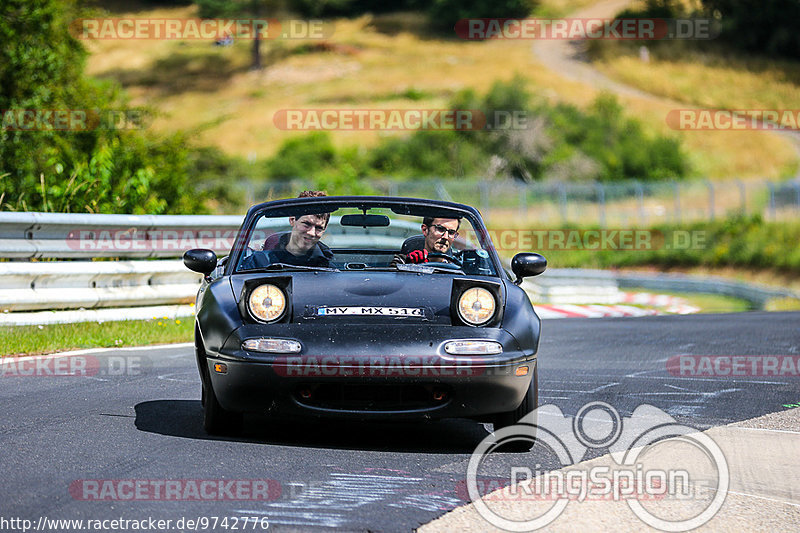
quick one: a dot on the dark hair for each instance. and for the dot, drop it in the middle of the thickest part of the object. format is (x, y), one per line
(428, 221)
(316, 194)
(312, 194)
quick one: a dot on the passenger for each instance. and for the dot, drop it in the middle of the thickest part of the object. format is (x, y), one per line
(300, 246)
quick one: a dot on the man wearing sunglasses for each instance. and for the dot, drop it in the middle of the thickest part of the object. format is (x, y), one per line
(439, 235)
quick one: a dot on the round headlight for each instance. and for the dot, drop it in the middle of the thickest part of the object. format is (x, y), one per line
(267, 303)
(476, 306)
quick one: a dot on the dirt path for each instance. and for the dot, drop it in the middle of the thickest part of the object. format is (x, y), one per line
(566, 58)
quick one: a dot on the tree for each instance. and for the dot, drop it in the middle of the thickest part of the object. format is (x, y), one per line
(253, 9)
(756, 26)
(97, 169)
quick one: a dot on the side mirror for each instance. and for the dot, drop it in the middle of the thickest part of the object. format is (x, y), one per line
(200, 260)
(527, 264)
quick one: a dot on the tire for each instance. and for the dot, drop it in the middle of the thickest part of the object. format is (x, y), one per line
(509, 418)
(216, 419)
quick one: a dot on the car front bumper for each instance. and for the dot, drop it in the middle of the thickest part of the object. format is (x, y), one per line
(376, 371)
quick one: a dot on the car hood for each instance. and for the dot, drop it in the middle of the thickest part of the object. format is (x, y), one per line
(352, 297)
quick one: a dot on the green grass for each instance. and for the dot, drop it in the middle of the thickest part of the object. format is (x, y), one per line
(34, 340)
(707, 303)
(783, 304)
(708, 77)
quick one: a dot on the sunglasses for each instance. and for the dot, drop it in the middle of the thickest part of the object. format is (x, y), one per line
(439, 229)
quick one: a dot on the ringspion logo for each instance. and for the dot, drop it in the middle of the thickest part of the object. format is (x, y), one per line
(692, 488)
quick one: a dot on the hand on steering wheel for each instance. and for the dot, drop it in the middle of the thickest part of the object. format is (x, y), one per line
(448, 258)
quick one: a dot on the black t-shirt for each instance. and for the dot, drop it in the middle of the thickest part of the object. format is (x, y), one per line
(319, 255)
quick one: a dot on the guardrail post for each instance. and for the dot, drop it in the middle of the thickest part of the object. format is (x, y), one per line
(771, 188)
(797, 193)
(743, 196)
(484, 188)
(640, 202)
(710, 199)
(601, 199)
(677, 215)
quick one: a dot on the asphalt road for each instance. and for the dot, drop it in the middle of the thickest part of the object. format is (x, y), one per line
(74, 447)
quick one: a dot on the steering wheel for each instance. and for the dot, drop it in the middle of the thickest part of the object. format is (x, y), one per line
(448, 258)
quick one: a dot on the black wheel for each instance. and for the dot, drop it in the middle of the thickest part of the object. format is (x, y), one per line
(216, 419)
(529, 404)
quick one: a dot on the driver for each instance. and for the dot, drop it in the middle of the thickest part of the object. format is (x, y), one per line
(439, 235)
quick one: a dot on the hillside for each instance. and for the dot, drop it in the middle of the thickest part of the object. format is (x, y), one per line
(386, 61)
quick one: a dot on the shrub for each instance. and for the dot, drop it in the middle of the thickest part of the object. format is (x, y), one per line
(444, 14)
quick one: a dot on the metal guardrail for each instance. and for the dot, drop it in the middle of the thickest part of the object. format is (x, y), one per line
(49, 285)
(82, 284)
(85, 236)
(571, 285)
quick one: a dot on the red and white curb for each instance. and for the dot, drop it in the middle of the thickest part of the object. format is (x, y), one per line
(659, 304)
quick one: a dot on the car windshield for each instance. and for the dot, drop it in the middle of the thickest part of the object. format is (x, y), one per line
(352, 239)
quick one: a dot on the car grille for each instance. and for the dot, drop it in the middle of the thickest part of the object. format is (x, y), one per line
(371, 397)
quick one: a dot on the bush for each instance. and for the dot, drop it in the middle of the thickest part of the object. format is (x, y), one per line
(739, 242)
(768, 28)
(103, 170)
(302, 157)
(347, 8)
(444, 14)
(597, 144)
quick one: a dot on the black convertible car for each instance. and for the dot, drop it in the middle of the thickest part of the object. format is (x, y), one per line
(364, 307)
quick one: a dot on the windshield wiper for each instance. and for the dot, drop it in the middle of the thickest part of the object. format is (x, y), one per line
(287, 266)
(427, 268)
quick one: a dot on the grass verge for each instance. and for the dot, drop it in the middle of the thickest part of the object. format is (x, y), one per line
(35, 340)
(706, 77)
(741, 242)
(707, 303)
